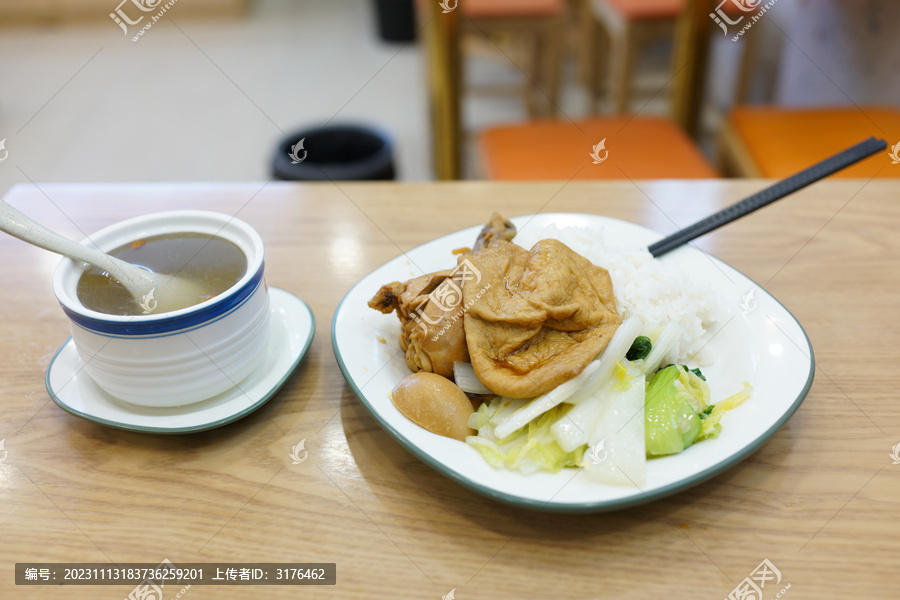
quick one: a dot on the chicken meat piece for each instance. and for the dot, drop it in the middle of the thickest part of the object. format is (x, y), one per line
(430, 308)
(496, 229)
(535, 318)
(430, 312)
(387, 299)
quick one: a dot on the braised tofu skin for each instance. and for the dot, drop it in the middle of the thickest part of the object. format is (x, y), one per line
(528, 320)
(545, 315)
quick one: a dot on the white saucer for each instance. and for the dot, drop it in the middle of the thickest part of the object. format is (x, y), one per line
(292, 329)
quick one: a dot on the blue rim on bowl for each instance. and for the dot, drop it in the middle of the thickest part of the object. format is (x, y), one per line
(295, 329)
(67, 273)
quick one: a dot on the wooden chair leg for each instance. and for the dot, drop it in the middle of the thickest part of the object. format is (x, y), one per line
(624, 61)
(733, 157)
(586, 27)
(553, 63)
(600, 51)
(742, 89)
(444, 76)
(535, 75)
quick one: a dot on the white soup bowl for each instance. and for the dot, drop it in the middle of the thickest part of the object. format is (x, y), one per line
(178, 357)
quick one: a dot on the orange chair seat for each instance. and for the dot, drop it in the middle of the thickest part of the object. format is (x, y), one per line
(782, 141)
(639, 148)
(635, 10)
(504, 9)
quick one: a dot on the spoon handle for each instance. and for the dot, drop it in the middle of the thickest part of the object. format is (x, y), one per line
(19, 225)
(772, 193)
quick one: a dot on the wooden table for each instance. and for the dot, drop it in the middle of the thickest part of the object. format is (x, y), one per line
(819, 500)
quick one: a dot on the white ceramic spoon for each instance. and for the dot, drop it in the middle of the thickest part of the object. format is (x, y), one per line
(145, 286)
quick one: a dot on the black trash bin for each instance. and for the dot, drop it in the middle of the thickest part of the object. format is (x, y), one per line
(396, 20)
(335, 152)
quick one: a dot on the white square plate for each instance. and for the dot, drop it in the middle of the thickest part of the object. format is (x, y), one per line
(760, 342)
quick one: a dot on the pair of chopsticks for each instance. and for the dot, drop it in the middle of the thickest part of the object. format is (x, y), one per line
(772, 193)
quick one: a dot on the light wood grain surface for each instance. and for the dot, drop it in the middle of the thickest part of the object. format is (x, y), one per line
(819, 500)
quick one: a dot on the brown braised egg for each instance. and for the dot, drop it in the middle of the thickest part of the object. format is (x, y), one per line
(435, 403)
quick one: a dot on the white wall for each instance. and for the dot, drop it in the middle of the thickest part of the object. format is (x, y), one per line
(823, 52)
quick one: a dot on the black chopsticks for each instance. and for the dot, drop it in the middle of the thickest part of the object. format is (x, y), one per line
(772, 193)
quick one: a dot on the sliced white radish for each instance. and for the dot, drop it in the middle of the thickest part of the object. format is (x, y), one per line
(616, 452)
(545, 402)
(465, 378)
(612, 355)
(578, 388)
(666, 340)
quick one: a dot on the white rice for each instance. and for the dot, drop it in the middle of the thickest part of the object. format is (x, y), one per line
(656, 293)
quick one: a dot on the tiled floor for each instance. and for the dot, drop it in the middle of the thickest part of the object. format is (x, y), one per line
(207, 100)
(201, 100)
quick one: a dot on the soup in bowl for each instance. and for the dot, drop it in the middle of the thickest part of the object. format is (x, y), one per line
(207, 345)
